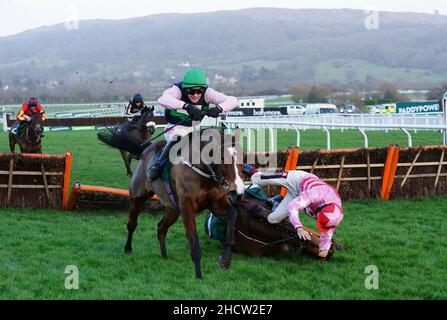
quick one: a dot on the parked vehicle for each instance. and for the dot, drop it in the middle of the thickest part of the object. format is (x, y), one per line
(384, 109)
(349, 109)
(295, 109)
(320, 108)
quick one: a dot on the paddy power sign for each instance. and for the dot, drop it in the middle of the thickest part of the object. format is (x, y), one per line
(419, 107)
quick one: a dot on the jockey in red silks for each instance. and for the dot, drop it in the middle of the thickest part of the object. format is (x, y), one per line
(308, 193)
(30, 107)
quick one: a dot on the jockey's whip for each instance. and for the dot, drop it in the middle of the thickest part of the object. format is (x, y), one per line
(166, 130)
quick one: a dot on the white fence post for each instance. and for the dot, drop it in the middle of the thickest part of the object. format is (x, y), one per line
(328, 138)
(5, 122)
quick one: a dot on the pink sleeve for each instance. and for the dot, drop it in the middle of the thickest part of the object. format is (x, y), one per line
(227, 103)
(326, 240)
(170, 99)
(294, 208)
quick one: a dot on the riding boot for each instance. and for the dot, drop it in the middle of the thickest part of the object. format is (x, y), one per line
(15, 128)
(156, 169)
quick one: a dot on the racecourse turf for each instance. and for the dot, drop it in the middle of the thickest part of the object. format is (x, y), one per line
(404, 239)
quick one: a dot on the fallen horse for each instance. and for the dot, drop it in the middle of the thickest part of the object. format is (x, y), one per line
(255, 236)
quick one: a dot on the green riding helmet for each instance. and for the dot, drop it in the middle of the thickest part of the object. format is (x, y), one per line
(194, 77)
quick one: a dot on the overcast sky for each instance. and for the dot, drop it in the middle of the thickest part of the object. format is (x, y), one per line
(20, 15)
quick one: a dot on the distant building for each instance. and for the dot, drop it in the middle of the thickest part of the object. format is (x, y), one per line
(252, 103)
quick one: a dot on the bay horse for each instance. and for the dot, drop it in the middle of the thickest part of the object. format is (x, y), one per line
(30, 136)
(142, 128)
(214, 185)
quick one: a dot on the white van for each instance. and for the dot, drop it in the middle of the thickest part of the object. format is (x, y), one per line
(295, 109)
(321, 108)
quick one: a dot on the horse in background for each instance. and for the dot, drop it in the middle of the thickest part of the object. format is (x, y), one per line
(140, 130)
(30, 136)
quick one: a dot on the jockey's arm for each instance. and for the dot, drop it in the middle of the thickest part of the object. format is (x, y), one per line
(127, 112)
(326, 240)
(294, 208)
(170, 99)
(21, 116)
(41, 111)
(227, 103)
(266, 179)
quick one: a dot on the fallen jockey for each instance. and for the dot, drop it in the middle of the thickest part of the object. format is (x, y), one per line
(255, 236)
(308, 193)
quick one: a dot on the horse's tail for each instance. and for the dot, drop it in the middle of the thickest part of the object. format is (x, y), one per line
(126, 143)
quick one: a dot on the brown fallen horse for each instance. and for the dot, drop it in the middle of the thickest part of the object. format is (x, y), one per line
(255, 236)
(196, 185)
(30, 136)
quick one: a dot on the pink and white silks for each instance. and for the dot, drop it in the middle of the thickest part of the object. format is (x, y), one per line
(305, 192)
(317, 198)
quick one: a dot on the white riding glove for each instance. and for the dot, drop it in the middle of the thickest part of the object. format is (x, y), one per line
(256, 178)
(303, 234)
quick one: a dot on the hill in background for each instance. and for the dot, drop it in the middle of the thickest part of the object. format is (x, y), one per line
(242, 51)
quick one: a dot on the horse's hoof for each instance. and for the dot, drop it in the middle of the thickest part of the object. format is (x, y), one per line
(224, 263)
(339, 246)
(127, 250)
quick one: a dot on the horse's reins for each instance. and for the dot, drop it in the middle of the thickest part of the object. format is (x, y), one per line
(166, 130)
(27, 134)
(212, 175)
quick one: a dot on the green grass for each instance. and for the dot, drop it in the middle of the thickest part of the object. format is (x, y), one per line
(278, 101)
(405, 239)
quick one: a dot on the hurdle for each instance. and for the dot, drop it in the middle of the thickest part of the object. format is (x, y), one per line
(46, 175)
(91, 198)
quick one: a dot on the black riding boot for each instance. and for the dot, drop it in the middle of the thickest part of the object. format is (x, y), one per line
(156, 170)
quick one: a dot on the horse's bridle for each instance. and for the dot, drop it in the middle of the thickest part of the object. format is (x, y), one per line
(30, 126)
(220, 179)
(212, 175)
